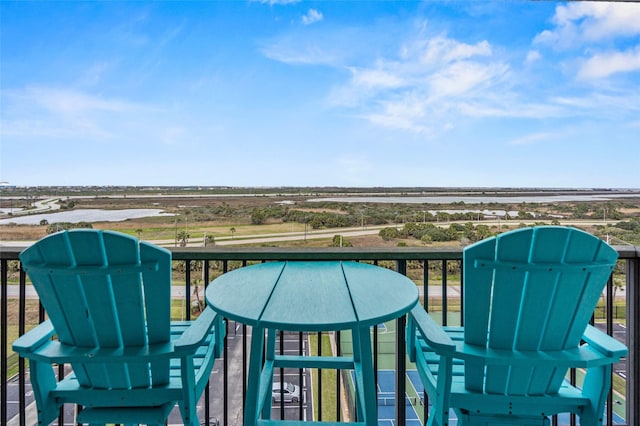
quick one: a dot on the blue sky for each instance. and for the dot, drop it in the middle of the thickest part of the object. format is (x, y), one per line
(344, 93)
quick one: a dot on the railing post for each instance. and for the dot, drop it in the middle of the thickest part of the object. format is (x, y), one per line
(4, 265)
(609, 315)
(445, 296)
(187, 291)
(401, 360)
(22, 309)
(633, 339)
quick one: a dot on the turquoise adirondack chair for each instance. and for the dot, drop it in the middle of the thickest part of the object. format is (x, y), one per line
(108, 299)
(528, 297)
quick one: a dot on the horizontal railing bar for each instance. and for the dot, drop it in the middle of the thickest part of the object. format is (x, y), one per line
(317, 253)
(288, 253)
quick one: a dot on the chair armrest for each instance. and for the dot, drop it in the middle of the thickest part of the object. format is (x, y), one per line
(583, 356)
(54, 351)
(604, 343)
(432, 332)
(34, 338)
(197, 332)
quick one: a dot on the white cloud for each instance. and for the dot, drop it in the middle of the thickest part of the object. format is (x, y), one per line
(72, 102)
(277, 2)
(602, 104)
(408, 113)
(532, 56)
(579, 22)
(439, 66)
(312, 17)
(501, 107)
(421, 81)
(464, 77)
(376, 78)
(428, 80)
(291, 50)
(56, 112)
(603, 65)
(532, 139)
(446, 50)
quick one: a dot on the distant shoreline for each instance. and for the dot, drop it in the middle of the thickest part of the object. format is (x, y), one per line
(8, 192)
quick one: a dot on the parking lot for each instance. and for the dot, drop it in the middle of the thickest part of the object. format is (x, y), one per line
(620, 333)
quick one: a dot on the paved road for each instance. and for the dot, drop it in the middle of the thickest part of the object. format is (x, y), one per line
(40, 206)
(251, 239)
(314, 234)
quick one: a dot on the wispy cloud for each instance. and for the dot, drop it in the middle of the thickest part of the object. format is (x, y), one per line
(532, 139)
(427, 82)
(465, 78)
(532, 57)
(603, 65)
(424, 82)
(312, 17)
(408, 113)
(59, 112)
(444, 50)
(72, 102)
(277, 2)
(296, 49)
(589, 28)
(376, 78)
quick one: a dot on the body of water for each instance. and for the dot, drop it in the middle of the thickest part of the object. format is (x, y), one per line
(85, 215)
(478, 199)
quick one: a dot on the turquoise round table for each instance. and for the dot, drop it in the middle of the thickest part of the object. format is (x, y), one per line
(310, 296)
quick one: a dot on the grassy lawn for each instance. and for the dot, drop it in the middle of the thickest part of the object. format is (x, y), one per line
(197, 230)
(329, 397)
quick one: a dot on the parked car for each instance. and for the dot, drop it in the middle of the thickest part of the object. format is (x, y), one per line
(291, 392)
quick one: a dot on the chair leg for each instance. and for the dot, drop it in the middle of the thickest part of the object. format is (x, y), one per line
(367, 392)
(596, 387)
(43, 380)
(188, 403)
(441, 413)
(251, 413)
(189, 414)
(267, 401)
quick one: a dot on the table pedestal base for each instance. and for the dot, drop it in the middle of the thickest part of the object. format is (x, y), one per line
(258, 400)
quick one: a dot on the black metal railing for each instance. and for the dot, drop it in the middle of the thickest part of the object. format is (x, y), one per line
(435, 271)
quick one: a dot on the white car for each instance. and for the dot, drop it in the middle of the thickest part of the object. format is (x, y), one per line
(290, 392)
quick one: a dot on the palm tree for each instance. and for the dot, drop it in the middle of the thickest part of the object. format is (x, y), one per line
(183, 238)
(233, 230)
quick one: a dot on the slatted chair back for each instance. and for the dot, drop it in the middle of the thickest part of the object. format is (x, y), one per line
(533, 289)
(105, 290)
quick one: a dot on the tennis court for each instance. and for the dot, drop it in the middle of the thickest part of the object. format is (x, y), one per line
(414, 377)
(387, 401)
(414, 400)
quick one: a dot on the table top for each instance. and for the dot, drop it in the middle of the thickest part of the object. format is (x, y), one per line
(312, 296)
